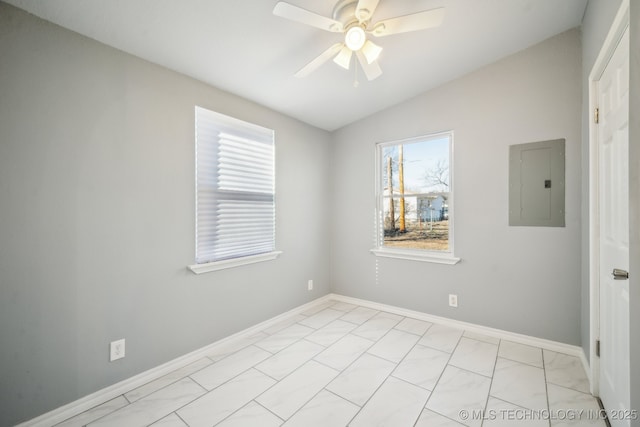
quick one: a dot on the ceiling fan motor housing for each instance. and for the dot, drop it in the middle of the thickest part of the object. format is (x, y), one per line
(345, 12)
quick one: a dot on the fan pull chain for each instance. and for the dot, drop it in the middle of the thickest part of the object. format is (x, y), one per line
(356, 83)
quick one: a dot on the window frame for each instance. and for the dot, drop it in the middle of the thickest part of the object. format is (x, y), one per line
(423, 255)
(222, 121)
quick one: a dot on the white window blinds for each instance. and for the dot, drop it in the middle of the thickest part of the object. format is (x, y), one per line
(235, 188)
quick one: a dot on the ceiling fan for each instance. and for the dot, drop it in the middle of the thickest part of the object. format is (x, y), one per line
(353, 19)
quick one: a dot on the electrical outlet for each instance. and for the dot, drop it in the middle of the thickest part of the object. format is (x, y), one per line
(116, 350)
(453, 300)
(310, 285)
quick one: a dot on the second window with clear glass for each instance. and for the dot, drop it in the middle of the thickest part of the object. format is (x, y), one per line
(415, 194)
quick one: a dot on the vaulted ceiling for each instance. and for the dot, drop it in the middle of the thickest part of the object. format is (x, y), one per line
(241, 47)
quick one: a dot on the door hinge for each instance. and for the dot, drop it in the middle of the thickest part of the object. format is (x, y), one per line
(596, 116)
(598, 348)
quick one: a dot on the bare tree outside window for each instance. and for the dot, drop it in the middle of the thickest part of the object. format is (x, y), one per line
(438, 175)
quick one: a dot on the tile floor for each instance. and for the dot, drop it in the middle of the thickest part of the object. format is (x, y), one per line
(344, 365)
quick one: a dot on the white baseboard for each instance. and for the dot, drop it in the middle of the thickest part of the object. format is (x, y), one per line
(559, 347)
(586, 366)
(101, 396)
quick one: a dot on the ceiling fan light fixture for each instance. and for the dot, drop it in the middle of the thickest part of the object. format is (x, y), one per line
(343, 58)
(355, 38)
(371, 51)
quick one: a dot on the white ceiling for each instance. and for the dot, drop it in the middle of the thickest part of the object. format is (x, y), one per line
(241, 47)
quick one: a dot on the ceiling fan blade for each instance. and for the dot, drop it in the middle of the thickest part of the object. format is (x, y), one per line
(372, 71)
(321, 59)
(365, 9)
(416, 21)
(298, 14)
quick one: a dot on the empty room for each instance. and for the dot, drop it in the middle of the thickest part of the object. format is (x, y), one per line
(319, 213)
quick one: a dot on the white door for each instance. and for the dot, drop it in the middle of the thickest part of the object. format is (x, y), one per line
(613, 141)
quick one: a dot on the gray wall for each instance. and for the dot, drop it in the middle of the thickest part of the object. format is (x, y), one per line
(522, 279)
(97, 218)
(595, 25)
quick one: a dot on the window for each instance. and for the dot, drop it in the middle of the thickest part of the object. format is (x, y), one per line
(414, 214)
(235, 192)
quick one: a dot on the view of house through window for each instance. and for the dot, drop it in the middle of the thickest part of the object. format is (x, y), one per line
(415, 194)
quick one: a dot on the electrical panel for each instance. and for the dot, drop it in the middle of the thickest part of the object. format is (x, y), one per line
(537, 184)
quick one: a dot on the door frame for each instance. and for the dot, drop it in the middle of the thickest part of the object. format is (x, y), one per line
(620, 23)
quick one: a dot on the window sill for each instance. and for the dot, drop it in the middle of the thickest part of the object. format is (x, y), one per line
(231, 263)
(416, 256)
